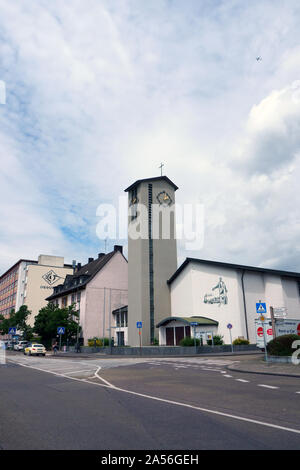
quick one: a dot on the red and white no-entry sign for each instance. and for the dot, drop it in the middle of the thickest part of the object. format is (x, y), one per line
(260, 331)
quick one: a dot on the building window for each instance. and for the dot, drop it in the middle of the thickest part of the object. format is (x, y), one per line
(64, 301)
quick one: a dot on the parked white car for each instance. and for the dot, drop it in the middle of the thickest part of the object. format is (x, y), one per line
(20, 345)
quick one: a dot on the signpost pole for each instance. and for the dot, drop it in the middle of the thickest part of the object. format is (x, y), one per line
(231, 340)
(229, 326)
(265, 342)
(273, 322)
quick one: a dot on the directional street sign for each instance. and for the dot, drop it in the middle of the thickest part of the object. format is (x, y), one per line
(61, 330)
(280, 312)
(261, 307)
(139, 324)
(12, 330)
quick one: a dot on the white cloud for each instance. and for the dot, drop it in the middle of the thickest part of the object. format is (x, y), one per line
(99, 93)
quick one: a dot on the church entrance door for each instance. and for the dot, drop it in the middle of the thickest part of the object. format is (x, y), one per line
(170, 336)
(179, 334)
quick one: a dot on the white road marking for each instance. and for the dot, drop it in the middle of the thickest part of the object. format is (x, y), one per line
(267, 386)
(171, 402)
(242, 380)
(79, 371)
(227, 375)
(103, 380)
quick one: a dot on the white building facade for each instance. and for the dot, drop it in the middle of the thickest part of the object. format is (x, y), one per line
(228, 293)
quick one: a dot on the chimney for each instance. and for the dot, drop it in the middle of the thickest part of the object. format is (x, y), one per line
(100, 255)
(118, 248)
(78, 266)
(90, 260)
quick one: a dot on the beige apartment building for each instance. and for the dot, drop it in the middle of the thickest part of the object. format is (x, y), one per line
(29, 282)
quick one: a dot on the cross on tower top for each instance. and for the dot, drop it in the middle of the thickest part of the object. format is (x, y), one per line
(161, 167)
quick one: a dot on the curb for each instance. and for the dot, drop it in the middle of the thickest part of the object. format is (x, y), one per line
(232, 369)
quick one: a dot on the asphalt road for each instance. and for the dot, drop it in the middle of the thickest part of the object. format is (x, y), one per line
(189, 403)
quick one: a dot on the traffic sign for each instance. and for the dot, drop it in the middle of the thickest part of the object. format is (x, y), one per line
(12, 330)
(61, 330)
(279, 312)
(261, 307)
(262, 318)
(139, 324)
(260, 331)
(229, 326)
(194, 323)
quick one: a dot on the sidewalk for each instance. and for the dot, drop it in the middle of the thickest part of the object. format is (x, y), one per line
(257, 365)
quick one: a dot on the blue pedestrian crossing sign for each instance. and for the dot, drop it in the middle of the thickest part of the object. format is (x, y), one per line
(61, 330)
(261, 307)
(139, 324)
(12, 330)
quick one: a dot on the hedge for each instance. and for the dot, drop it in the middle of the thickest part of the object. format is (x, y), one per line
(282, 345)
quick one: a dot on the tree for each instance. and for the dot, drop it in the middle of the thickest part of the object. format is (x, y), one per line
(51, 317)
(17, 320)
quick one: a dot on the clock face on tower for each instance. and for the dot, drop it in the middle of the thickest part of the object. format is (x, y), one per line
(164, 199)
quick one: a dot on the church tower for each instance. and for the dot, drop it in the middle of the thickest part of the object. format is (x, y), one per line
(152, 255)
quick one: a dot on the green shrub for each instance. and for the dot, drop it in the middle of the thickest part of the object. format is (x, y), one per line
(92, 342)
(240, 341)
(282, 345)
(218, 341)
(105, 341)
(188, 341)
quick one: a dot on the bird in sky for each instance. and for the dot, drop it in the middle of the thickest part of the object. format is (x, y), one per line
(258, 58)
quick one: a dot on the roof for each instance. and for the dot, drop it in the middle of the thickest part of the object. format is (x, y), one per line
(157, 178)
(86, 273)
(232, 266)
(18, 262)
(122, 309)
(202, 321)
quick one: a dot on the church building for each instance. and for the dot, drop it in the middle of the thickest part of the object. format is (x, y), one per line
(165, 303)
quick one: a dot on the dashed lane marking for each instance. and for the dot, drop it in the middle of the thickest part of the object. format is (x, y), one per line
(267, 386)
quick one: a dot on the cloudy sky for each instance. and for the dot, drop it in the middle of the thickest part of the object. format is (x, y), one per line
(99, 92)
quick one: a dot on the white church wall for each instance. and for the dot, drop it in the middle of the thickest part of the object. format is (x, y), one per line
(182, 294)
(291, 298)
(192, 294)
(254, 291)
(204, 279)
(273, 290)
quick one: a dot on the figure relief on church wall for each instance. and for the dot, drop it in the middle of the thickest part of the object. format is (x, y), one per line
(219, 295)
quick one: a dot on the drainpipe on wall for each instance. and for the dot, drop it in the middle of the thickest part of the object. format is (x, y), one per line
(244, 300)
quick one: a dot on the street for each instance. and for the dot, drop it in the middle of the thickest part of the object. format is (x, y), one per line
(143, 403)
